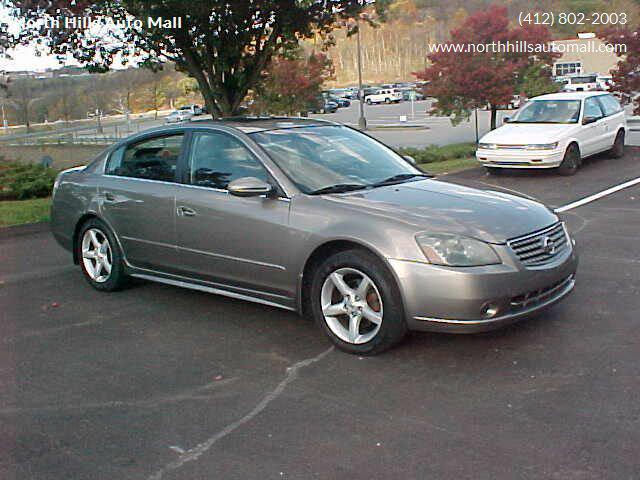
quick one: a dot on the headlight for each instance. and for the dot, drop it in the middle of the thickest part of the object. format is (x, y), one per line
(487, 146)
(543, 146)
(456, 250)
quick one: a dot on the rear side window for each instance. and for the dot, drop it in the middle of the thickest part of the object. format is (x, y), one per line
(609, 105)
(152, 159)
(217, 159)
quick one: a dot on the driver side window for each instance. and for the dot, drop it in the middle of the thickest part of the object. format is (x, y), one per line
(216, 159)
(592, 108)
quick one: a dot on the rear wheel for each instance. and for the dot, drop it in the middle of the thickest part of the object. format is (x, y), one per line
(494, 170)
(356, 302)
(368, 101)
(617, 151)
(100, 257)
(570, 162)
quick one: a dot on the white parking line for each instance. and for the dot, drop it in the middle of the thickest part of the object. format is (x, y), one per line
(596, 196)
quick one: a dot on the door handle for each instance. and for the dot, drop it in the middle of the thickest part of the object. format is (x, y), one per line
(186, 212)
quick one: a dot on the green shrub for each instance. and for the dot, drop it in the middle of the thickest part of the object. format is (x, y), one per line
(19, 181)
(434, 153)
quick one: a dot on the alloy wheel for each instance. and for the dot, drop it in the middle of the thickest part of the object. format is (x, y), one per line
(97, 257)
(351, 305)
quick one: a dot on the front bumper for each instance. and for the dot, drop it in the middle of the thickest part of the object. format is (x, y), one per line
(505, 158)
(476, 299)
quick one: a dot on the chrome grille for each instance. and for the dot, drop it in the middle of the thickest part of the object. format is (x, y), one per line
(541, 247)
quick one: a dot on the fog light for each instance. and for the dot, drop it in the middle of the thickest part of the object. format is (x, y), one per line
(489, 310)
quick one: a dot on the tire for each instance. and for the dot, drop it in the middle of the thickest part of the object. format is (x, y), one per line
(95, 236)
(368, 100)
(380, 300)
(570, 162)
(494, 170)
(617, 151)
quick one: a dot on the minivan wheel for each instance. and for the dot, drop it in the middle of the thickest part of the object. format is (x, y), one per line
(356, 302)
(570, 162)
(617, 151)
(100, 257)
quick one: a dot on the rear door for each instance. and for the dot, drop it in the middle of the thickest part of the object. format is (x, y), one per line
(137, 198)
(224, 238)
(614, 117)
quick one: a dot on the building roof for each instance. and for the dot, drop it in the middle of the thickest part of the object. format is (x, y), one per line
(570, 95)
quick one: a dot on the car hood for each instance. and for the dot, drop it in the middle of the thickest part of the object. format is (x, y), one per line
(528, 133)
(436, 206)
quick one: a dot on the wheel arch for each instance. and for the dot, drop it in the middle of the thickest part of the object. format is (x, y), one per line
(323, 251)
(76, 231)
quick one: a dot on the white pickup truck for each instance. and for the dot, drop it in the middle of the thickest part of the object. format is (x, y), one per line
(385, 95)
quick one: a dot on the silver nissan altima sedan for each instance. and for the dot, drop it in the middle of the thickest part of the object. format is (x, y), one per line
(314, 217)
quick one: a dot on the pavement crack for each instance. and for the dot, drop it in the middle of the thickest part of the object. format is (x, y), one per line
(195, 452)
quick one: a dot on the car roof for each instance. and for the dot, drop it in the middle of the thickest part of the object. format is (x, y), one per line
(261, 124)
(569, 95)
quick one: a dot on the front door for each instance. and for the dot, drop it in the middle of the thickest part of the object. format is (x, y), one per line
(593, 135)
(223, 238)
(138, 200)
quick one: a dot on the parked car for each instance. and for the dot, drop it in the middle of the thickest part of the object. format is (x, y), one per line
(581, 83)
(297, 214)
(417, 96)
(340, 93)
(178, 116)
(324, 105)
(193, 108)
(384, 95)
(556, 131)
(341, 101)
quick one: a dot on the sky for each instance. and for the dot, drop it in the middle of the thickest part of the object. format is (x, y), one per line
(25, 58)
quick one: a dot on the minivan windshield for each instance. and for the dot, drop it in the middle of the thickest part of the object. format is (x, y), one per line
(549, 111)
(318, 158)
(584, 79)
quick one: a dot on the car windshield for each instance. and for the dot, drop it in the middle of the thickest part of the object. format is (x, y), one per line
(316, 158)
(549, 111)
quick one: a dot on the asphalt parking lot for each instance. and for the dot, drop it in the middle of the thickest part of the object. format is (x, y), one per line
(157, 382)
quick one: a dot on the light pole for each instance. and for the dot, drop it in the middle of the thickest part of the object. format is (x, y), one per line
(362, 121)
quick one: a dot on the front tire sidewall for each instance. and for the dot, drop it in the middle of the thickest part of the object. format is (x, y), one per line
(570, 162)
(117, 279)
(393, 327)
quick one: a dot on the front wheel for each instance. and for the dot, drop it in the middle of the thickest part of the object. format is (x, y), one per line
(368, 101)
(356, 302)
(494, 170)
(617, 151)
(100, 257)
(570, 162)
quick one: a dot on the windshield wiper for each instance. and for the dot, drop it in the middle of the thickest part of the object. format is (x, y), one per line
(339, 188)
(400, 178)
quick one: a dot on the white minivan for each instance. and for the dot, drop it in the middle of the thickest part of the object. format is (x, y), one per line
(556, 131)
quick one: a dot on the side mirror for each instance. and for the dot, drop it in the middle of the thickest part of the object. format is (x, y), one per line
(506, 119)
(588, 120)
(249, 187)
(410, 159)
